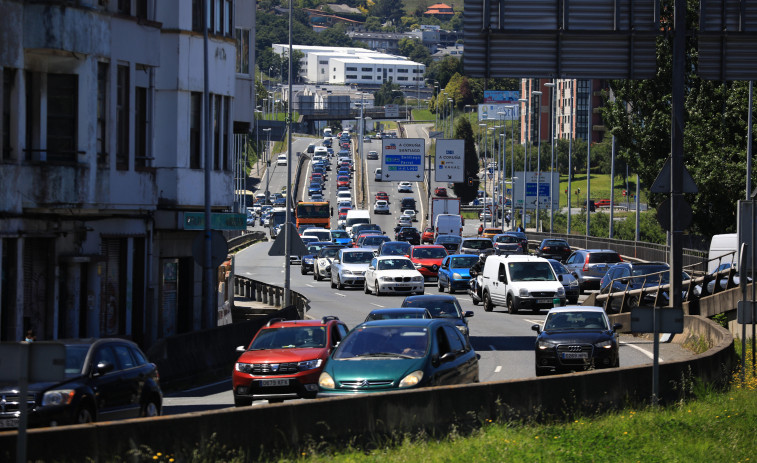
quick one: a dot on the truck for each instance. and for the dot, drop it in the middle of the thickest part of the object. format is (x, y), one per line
(443, 206)
(327, 132)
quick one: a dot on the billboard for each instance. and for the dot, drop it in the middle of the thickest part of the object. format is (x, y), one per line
(450, 161)
(491, 112)
(546, 184)
(501, 96)
(402, 159)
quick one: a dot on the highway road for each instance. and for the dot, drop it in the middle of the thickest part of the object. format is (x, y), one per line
(504, 342)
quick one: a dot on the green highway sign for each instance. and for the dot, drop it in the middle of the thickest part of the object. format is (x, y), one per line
(218, 221)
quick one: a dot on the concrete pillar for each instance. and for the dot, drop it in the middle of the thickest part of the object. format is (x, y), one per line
(277, 297)
(265, 295)
(258, 290)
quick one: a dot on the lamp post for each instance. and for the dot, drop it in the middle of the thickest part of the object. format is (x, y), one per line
(436, 107)
(512, 165)
(258, 113)
(502, 173)
(537, 93)
(446, 119)
(525, 140)
(553, 115)
(494, 197)
(483, 142)
(452, 118)
(267, 162)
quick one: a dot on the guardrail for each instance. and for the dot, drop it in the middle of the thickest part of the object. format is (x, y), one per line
(269, 294)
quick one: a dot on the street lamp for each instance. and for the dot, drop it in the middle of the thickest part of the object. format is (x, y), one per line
(494, 197)
(538, 155)
(483, 141)
(525, 139)
(452, 118)
(436, 108)
(553, 115)
(268, 162)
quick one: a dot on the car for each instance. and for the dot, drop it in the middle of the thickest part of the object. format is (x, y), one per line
(409, 234)
(285, 359)
(508, 243)
(104, 379)
(341, 237)
(343, 180)
(551, 248)
(443, 306)
(405, 187)
(364, 227)
(475, 245)
(404, 221)
(629, 276)
(373, 154)
(440, 191)
(397, 313)
(373, 241)
(450, 242)
(315, 188)
(308, 260)
(393, 248)
(490, 232)
(381, 207)
(576, 338)
(398, 354)
(519, 283)
(322, 263)
(321, 234)
(427, 258)
(348, 269)
(485, 216)
(316, 197)
(569, 282)
(281, 160)
(382, 195)
(428, 235)
(590, 265)
(393, 274)
(454, 274)
(410, 214)
(366, 139)
(408, 202)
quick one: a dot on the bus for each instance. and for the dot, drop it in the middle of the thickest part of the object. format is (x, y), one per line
(315, 213)
(277, 219)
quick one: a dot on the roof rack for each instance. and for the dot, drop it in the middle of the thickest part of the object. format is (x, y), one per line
(274, 320)
(329, 317)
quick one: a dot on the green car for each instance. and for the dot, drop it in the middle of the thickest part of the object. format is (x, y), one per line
(389, 355)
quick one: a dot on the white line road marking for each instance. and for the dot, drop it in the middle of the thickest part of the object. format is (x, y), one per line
(640, 349)
(533, 321)
(377, 305)
(309, 285)
(340, 294)
(491, 347)
(498, 369)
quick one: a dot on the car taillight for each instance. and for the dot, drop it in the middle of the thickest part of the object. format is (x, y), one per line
(621, 259)
(586, 263)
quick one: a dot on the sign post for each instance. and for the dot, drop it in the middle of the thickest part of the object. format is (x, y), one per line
(449, 161)
(402, 159)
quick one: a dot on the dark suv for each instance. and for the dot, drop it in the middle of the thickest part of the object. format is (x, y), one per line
(409, 234)
(105, 379)
(284, 359)
(407, 203)
(590, 265)
(551, 248)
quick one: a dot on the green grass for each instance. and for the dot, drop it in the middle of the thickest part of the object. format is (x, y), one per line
(600, 189)
(422, 115)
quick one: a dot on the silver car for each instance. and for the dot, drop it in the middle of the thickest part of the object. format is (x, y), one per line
(349, 266)
(590, 265)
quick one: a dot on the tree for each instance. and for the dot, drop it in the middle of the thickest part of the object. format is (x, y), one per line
(414, 49)
(388, 93)
(443, 70)
(391, 10)
(467, 190)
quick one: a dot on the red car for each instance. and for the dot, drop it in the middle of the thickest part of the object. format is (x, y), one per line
(440, 191)
(382, 195)
(427, 259)
(285, 359)
(428, 235)
(342, 180)
(316, 177)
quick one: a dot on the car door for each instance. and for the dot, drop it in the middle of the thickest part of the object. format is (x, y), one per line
(570, 263)
(132, 377)
(498, 292)
(370, 274)
(112, 394)
(444, 279)
(466, 361)
(447, 343)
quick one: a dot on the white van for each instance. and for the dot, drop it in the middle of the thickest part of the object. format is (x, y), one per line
(723, 245)
(520, 282)
(377, 174)
(281, 160)
(448, 224)
(343, 195)
(356, 216)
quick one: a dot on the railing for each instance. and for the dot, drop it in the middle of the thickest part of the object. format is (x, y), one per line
(269, 294)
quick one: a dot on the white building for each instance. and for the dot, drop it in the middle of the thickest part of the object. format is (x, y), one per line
(102, 160)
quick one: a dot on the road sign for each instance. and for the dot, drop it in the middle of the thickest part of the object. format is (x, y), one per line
(450, 161)
(402, 159)
(662, 182)
(669, 320)
(296, 248)
(391, 111)
(219, 248)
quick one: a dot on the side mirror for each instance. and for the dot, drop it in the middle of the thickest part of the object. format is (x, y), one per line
(335, 261)
(469, 313)
(616, 326)
(371, 267)
(536, 327)
(447, 357)
(103, 367)
(559, 277)
(240, 349)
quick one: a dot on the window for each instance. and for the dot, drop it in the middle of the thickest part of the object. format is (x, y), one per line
(62, 102)
(140, 127)
(351, 68)
(367, 69)
(401, 78)
(8, 76)
(225, 132)
(197, 15)
(195, 124)
(216, 101)
(378, 69)
(323, 62)
(216, 15)
(243, 51)
(367, 77)
(122, 118)
(142, 9)
(402, 71)
(102, 111)
(351, 76)
(227, 27)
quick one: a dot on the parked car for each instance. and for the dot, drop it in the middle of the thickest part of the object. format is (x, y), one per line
(348, 269)
(393, 248)
(393, 274)
(440, 191)
(285, 359)
(442, 306)
(427, 259)
(569, 282)
(409, 234)
(322, 264)
(590, 265)
(454, 274)
(381, 207)
(397, 313)
(428, 235)
(389, 355)
(450, 242)
(105, 379)
(475, 245)
(576, 338)
(554, 249)
(405, 187)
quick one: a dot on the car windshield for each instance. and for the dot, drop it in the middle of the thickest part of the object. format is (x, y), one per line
(395, 264)
(641, 271)
(575, 321)
(463, 262)
(448, 239)
(395, 314)
(75, 356)
(438, 308)
(395, 249)
(429, 253)
(328, 252)
(314, 248)
(375, 240)
(339, 234)
(383, 342)
(357, 257)
(531, 271)
(555, 243)
(507, 239)
(290, 337)
(324, 235)
(478, 244)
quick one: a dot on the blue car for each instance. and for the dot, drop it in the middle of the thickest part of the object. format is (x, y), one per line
(454, 274)
(339, 236)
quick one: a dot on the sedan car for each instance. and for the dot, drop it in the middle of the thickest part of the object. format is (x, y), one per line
(569, 282)
(409, 234)
(442, 306)
(284, 359)
(554, 249)
(454, 274)
(397, 313)
(475, 245)
(322, 264)
(104, 379)
(372, 154)
(427, 258)
(390, 355)
(348, 269)
(381, 207)
(393, 274)
(450, 242)
(576, 338)
(405, 187)
(440, 191)
(428, 235)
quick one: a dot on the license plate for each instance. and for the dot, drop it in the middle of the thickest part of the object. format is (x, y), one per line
(431, 278)
(575, 355)
(403, 285)
(544, 301)
(274, 382)
(9, 423)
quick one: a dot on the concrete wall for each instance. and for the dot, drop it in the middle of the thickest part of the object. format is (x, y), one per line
(370, 417)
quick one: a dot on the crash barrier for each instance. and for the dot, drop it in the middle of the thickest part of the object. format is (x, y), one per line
(269, 294)
(191, 358)
(239, 242)
(301, 158)
(266, 430)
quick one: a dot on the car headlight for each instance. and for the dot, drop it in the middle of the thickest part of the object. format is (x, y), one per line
(58, 397)
(243, 367)
(420, 278)
(573, 283)
(543, 345)
(560, 292)
(386, 279)
(326, 381)
(605, 344)
(416, 265)
(309, 364)
(463, 329)
(346, 272)
(412, 379)
(523, 292)
(457, 276)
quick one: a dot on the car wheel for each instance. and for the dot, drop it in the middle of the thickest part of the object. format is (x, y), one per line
(151, 408)
(439, 285)
(317, 275)
(365, 287)
(488, 306)
(331, 280)
(511, 307)
(474, 300)
(303, 271)
(377, 290)
(339, 284)
(84, 414)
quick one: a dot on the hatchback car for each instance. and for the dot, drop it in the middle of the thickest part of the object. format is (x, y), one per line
(393, 274)
(490, 233)
(576, 338)
(382, 195)
(629, 276)
(554, 249)
(390, 355)
(450, 242)
(373, 241)
(397, 312)
(590, 265)
(427, 258)
(409, 234)
(348, 269)
(105, 379)
(372, 155)
(284, 359)
(569, 282)
(454, 274)
(428, 235)
(394, 248)
(322, 263)
(381, 207)
(405, 187)
(308, 260)
(440, 191)
(475, 245)
(508, 243)
(442, 306)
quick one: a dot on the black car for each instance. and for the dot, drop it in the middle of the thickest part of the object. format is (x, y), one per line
(475, 245)
(393, 248)
(309, 259)
(105, 379)
(407, 202)
(576, 338)
(553, 249)
(442, 306)
(409, 234)
(450, 242)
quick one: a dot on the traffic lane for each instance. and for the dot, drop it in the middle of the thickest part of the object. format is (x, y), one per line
(388, 222)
